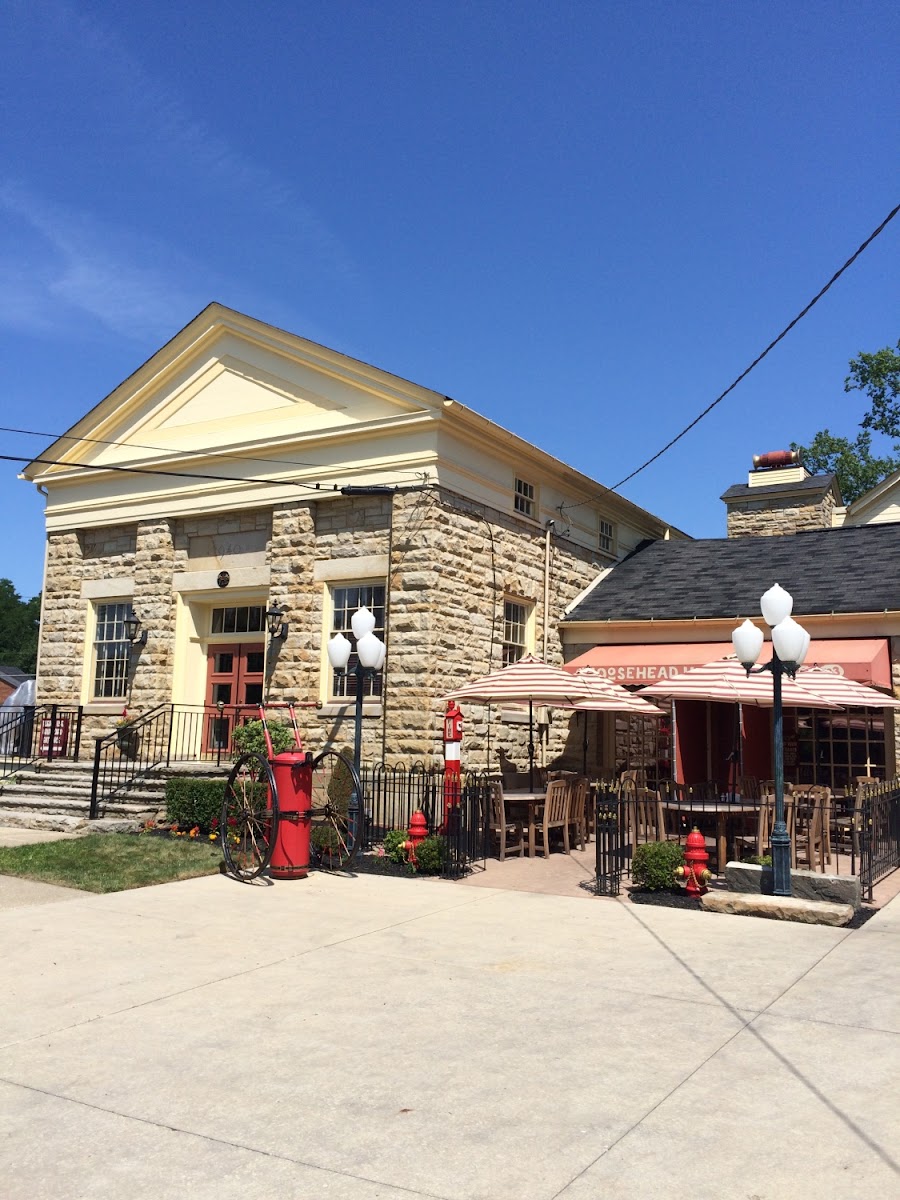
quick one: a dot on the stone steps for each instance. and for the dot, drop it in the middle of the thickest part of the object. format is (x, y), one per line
(57, 796)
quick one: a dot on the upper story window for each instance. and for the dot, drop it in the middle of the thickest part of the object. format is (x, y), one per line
(607, 540)
(524, 498)
(112, 651)
(249, 618)
(515, 630)
(345, 600)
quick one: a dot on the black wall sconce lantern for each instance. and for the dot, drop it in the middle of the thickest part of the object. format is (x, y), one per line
(133, 631)
(276, 624)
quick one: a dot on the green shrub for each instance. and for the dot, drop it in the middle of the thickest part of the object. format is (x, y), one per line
(653, 865)
(430, 855)
(325, 838)
(758, 860)
(191, 802)
(393, 845)
(250, 739)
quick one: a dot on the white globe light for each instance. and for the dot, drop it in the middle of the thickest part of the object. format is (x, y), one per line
(806, 640)
(747, 641)
(381, 655)
(339, 652)
(776, 605)
(369, 649)
(362, 622)
(789, 640)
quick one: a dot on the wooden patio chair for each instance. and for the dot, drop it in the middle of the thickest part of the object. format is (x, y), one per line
(555, 814)
(808, 839)
(509, 833)
(577, 790)
(748, 786)
(758, 841)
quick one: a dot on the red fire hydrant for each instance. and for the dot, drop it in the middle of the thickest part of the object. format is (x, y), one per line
(694, 873)
(293, 781)
(417, 832)
(453, 727)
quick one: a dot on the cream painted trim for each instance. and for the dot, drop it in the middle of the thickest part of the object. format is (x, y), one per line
(106, 589)
(104, 708)
(205, 581)
(366, 566)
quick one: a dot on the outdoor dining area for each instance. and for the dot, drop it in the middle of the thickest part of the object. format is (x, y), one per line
(553, 807)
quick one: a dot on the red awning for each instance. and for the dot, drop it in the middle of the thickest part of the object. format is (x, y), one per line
(864, 659)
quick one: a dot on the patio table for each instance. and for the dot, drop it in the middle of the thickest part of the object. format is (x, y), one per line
(722, 809)
(532, 801)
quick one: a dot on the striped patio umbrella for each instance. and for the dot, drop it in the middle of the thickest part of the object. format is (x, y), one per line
(611, 697)
(726, 682)
(532, 680)
(843, 691)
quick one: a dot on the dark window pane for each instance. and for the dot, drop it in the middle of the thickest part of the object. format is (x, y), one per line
(256, 660)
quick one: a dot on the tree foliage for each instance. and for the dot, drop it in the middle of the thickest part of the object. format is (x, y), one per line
(857, 469)
(19, 622)
(878, 375)
(851, 460)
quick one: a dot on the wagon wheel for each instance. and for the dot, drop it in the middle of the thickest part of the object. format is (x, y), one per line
(249, 823)
(337, 816)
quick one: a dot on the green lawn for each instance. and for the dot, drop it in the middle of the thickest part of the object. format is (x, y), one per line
(112, 862)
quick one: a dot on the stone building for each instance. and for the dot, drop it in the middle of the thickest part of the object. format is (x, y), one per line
(243, 469)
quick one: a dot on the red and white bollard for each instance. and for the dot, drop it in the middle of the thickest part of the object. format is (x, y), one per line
(453, 726)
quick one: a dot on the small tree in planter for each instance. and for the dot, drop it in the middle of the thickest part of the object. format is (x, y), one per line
(250, 738)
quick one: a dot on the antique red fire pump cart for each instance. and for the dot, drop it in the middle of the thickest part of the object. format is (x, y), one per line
(290, 812)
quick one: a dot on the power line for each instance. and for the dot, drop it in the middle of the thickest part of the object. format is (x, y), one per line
(55, 462)
(132, 445)
(743, 375)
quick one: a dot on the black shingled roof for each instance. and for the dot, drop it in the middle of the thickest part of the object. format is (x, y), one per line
(848, 570)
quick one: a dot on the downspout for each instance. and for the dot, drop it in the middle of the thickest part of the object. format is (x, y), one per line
(40, 646)
(550, 525)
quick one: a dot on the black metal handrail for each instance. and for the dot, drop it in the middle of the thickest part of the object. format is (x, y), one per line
(129, 753)
(878, 809)
(31, 732)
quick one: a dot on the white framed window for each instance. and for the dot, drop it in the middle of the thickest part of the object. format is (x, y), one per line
(243, 618)
(524, 500)
(517, 629)
(607, 537)
(346, 598)
(112, 651)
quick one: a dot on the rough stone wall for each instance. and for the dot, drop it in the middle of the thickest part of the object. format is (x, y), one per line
(452, 563)
(154, 603)
(775, 518)
(293, 663)
(73, 557)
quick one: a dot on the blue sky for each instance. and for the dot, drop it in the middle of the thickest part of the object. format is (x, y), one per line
(583, 220)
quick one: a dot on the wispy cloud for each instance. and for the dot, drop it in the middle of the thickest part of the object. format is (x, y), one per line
(71, 262)
(191, 148)
(68, 258)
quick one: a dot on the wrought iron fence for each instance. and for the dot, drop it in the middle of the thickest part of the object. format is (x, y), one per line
(608, 827)
(31, 732)
(878, 831)
(830, 833)
(393, 794)
(202, 732)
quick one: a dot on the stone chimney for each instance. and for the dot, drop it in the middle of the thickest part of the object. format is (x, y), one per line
(781, 497)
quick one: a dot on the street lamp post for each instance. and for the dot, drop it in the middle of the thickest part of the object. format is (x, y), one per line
(370, 653)
(790, 642)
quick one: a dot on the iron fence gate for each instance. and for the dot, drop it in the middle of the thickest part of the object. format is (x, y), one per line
(455, 810)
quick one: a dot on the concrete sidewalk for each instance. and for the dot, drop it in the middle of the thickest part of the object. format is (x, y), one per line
(379, 1037)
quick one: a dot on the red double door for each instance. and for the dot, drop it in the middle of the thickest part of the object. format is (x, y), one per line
(234, 680)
